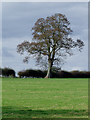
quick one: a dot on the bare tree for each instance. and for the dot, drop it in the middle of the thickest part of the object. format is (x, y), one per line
(51, 39)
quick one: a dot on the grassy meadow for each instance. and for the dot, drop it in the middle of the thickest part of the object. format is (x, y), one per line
(44, 98)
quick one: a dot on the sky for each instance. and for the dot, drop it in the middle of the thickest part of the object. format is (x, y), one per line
(18, 18)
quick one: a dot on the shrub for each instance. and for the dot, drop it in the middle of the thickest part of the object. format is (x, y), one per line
(32, 73)
(6, 72)
(64, 74)
(81, 74)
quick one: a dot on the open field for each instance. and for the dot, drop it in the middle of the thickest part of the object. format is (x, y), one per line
(44, 98)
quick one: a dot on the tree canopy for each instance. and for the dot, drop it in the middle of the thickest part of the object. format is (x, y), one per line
(51, 40)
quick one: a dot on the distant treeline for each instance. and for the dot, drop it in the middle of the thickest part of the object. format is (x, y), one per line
(57, 74)
(8, 72)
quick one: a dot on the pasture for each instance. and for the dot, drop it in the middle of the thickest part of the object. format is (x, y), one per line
(44, 98)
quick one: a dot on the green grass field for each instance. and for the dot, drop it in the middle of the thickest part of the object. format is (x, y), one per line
(44, 98)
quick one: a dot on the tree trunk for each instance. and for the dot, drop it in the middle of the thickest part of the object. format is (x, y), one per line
(49, 70)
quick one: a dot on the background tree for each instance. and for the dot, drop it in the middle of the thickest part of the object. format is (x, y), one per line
(51, 39)
(7, 72)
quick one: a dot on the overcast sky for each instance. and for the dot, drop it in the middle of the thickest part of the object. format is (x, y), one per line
(18, 19)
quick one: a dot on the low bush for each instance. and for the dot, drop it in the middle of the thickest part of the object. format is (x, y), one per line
(32, 73)
(7, 72)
